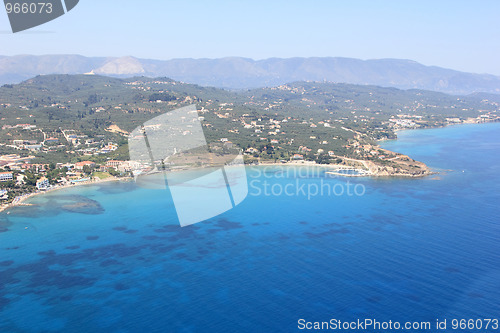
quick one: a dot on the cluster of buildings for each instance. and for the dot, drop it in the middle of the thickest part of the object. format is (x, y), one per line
(273, 125)
(21, 126)
(14, 162)
(14, 168)
(27, 144)
(123, 166)
(120, 166)
(403, 123)
(108, 148)
(52, 141)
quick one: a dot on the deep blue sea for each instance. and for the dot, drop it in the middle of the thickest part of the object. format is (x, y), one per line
(113, 258)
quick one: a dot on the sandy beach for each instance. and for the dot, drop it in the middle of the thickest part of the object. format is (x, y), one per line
(20, 200)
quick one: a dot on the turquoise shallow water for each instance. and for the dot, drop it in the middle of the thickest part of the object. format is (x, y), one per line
(112, 257)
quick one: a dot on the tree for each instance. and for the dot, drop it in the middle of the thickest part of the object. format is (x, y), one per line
(164, 97)
(323, 159)
(30, 179)
(7, 184)
(87, 169)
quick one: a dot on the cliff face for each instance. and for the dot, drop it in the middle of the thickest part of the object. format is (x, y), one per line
(392, 165)
(403, 166)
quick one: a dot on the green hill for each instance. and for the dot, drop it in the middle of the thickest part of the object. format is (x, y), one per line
(301, 117)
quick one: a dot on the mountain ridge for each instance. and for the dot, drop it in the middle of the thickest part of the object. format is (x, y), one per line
(246, 73)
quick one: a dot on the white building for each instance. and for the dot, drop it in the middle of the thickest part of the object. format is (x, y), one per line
(42, 184)
(128, 166)
(6, 176)
(114, 164)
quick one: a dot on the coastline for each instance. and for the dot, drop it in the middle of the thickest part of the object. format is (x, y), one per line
(20, 201)
(371, 169)
(400, 130)
(377, 170)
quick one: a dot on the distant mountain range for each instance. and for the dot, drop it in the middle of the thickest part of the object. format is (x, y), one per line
(243, 73)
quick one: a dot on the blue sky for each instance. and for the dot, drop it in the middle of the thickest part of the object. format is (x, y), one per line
(463, 35)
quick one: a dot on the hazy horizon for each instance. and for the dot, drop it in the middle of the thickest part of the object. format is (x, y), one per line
(460, 36)
(242, 57)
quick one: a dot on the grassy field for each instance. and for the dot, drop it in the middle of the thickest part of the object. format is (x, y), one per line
(101, 175)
